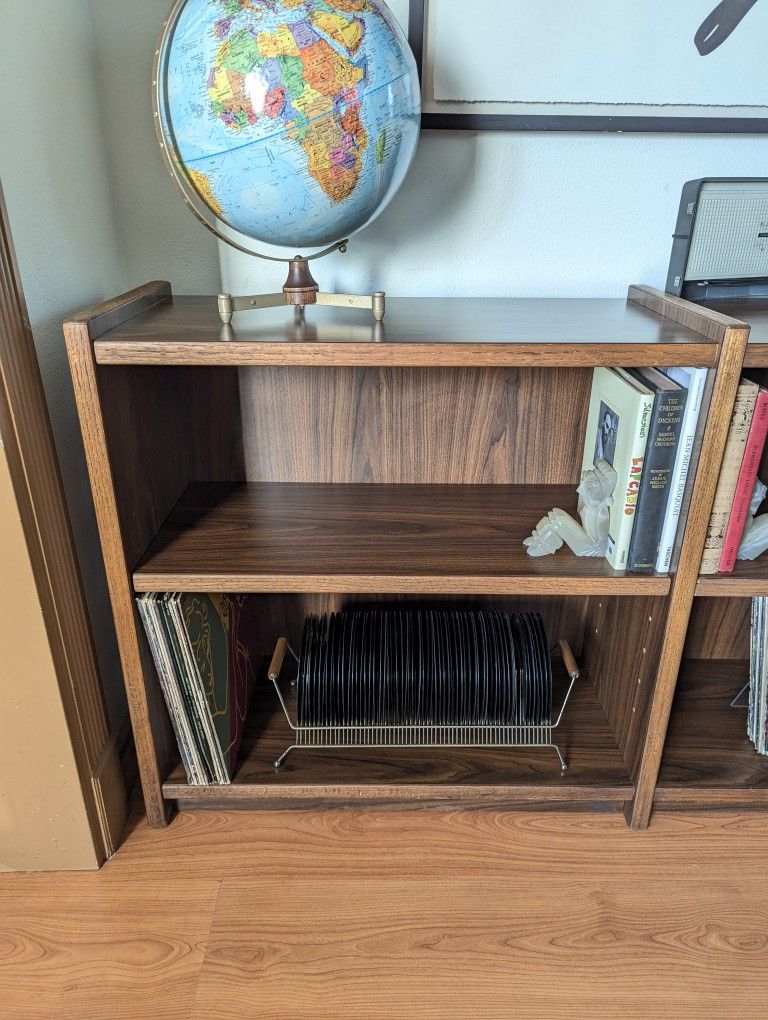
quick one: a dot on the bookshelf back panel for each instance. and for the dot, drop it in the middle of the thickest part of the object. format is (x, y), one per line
(283, 615)
(719, 629)
(623, 643)
(400, 425)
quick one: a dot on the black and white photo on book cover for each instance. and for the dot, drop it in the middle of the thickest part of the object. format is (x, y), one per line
(607, 434)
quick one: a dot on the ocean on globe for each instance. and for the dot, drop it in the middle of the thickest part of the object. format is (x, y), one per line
(294, 121)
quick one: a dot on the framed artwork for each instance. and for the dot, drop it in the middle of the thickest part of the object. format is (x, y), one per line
(550, 65)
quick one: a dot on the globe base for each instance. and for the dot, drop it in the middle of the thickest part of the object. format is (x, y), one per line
(300, 290)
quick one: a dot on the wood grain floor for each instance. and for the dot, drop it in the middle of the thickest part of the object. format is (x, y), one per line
(368, 914)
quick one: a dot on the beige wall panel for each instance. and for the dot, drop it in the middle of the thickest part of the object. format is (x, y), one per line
(43, 821)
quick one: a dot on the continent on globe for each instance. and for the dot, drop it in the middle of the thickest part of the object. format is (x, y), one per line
(295, 74)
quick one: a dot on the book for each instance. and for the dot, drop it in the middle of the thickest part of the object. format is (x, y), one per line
(617, 431)
(694, 380)
(753, 451)
(203, 648)
(656, 482)
(741, 420)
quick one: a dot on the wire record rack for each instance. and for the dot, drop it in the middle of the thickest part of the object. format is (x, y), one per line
(404, 678)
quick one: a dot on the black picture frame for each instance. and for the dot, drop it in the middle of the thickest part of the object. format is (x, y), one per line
(568, 122)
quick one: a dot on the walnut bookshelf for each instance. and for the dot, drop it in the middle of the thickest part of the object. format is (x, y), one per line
(340, 460)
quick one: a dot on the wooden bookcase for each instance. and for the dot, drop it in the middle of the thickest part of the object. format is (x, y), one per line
(338, 461)
(708, 759)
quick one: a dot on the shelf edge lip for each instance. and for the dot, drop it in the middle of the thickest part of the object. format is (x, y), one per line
(756, 355)
(372, 354)
(400, 584)
(402, 793)
(709, 796)
(729, 586)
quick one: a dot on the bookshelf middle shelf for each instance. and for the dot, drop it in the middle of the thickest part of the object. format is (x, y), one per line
(357, 538)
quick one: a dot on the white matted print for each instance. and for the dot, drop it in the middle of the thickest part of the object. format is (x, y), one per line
(610, 58)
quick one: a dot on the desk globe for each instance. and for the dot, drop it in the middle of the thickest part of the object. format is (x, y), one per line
(290, 122)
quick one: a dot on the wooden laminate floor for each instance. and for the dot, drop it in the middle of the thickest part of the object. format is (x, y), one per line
(368, 914)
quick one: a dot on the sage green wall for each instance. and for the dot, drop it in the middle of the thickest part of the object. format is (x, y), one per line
(54, 172)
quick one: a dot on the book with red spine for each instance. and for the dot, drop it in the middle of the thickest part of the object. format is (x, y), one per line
(753, 451)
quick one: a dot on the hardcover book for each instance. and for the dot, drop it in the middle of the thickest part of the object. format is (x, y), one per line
(617, 431)
(695, 381)
(741, 420)
(655, 485)
(745, 483)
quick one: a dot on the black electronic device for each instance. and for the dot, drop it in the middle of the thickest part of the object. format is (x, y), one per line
(720, 246)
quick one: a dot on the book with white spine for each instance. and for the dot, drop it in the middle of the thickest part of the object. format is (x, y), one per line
(694, 380)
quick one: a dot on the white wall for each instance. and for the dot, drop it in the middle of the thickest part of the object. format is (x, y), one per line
(526, 214)
(54, 173)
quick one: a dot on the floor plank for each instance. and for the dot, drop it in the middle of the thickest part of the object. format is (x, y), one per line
(363, 914)
(456, 947)
(422, 844)
(76, 947)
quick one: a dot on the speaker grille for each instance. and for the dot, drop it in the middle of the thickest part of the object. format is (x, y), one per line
(726, 242)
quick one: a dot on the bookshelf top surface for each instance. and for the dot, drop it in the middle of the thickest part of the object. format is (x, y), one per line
(428, 331)
(755, 314)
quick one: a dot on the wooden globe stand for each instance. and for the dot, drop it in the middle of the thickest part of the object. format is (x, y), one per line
(300, 290)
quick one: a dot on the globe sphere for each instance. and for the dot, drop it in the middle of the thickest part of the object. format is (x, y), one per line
(293, 122)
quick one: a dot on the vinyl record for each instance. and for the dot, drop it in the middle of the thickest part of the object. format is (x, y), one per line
(513, 666)
(533, 670)
(546, 656)
(538, 668)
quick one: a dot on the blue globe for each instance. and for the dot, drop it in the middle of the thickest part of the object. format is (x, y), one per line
(293, 121)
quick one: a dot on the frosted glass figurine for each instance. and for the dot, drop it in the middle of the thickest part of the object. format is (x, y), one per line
(755, 538)
(590, 538)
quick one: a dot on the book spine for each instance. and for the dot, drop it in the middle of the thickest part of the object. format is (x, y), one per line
(745, 484)
(655, 484)
(681, 469)
(628, 489)
(741, 421)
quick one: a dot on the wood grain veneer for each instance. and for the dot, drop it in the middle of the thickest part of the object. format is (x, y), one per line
(709, 760)
(732, 347)
(333, 401)
(420, 539)
(422, 425)
(719, 629)
(434, 914)
(749, 578)
(434, 332)
(622, 645)
(448, 777)
(451, 947)
(146, 434)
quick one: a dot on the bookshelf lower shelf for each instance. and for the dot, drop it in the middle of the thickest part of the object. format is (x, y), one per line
(708, 759)
(445, 777)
